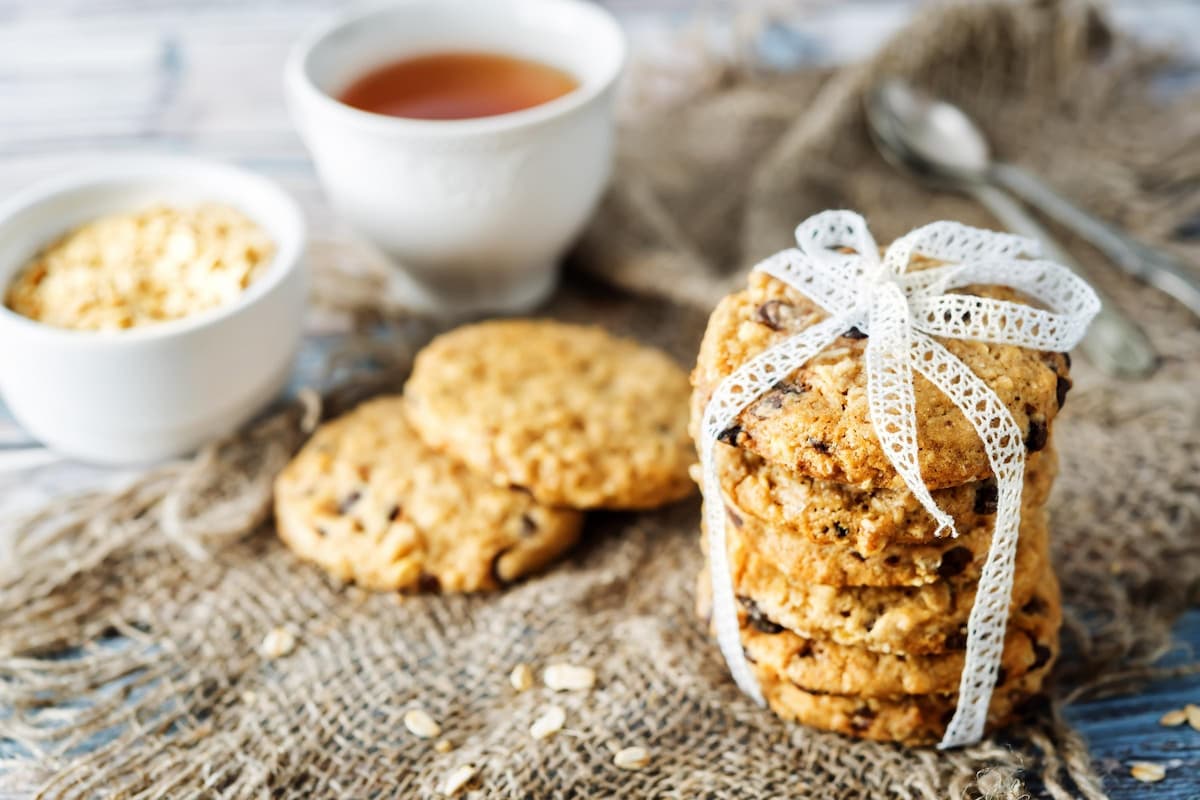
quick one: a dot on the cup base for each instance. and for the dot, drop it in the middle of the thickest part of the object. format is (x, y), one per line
(518, 294)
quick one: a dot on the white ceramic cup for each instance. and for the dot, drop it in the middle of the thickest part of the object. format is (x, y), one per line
(476, 213)
(153, 392)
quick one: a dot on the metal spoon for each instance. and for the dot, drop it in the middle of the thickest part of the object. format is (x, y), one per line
(939, 143)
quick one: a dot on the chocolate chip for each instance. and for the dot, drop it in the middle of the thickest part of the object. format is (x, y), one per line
(758, 620)
(771, 401)
(428, 583)
(820, 445)
(787, 387)
(1041, 655)
(966, 317)
(956, 641)
(1001, 676)
(854, 333)
(1061, 387)
(861, 719)
(733, 517)
(842, 530)
(393, 512)
(348, 502)
(987, 497)
(529, 525)
(773, 314)
(954, 561)
(1038, 434)
(891, 561)
(1035, 606)
(496, 576)
(730, 435)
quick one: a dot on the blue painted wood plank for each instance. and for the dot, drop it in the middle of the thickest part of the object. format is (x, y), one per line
(1125, 729)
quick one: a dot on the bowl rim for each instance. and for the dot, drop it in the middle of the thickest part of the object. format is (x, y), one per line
(290, 239)
(299, 83)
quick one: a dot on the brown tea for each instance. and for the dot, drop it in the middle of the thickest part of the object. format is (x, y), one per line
(457, 86)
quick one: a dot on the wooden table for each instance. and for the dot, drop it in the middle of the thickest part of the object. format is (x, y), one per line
(82, 78)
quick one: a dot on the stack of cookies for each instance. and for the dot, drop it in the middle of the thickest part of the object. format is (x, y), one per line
(853, 613)
(479, 473)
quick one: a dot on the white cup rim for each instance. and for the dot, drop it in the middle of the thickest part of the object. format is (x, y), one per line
(290, 239)
(299, 81)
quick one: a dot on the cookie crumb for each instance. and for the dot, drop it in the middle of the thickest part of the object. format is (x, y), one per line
(419, 723)
(549, 723)
(632, 758)
(1147, 771)
(521, 677)
(1176, 716)
(444, 746)
(457, 780)
(569, 677)
(1192, 711)
(278, 643)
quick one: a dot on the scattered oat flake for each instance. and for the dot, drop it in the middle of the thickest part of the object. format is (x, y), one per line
(521, 677)
(457, 780)
(419, 723)
(632, 758)
(1174, 717)
(278, 643)
(1192, 711)
(444, 746)
(569, 677)
(549, 723)
(1147, 771)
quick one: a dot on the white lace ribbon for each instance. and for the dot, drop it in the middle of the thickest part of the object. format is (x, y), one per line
(901, 311)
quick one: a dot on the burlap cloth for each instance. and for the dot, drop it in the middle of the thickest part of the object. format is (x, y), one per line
(131, 623)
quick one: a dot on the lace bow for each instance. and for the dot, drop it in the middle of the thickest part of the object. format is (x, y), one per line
(901, 311)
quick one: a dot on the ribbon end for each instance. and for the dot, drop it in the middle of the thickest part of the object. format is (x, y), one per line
(945, 526)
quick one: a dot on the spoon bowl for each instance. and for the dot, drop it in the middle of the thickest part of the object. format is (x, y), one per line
(931, 137)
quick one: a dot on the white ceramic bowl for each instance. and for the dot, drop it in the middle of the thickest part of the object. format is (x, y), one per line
(475, 212)
(161, 390)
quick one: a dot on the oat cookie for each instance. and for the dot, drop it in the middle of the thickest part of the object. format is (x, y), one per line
(816, 420)
(818, 665)
(572, 414)
(366, 500)
(827, 554)
(911, 719)
(865, 523)
(909, 619)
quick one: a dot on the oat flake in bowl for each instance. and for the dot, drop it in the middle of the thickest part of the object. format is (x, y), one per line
(134, 269)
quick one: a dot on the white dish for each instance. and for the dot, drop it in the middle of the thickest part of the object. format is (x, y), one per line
(475, 213)
(160, 390)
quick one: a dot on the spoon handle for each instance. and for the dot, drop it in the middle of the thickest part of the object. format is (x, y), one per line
(1113, 342)
(1152, 266)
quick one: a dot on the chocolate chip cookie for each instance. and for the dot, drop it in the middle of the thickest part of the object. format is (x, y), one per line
(577, 417)
(369, 502)
(909, 719)
(864, 524)
(910, 619)
(822, 666)
(827, 553)
(816, 421)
